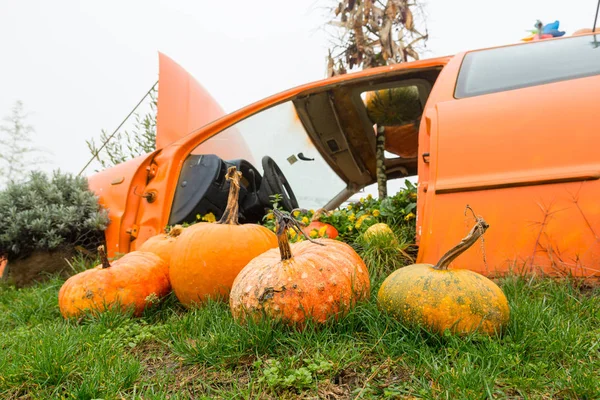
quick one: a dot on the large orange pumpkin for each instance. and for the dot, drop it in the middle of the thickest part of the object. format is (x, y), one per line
(309, 279)
(162, 245)
(135, 280)
(460, 300)
(208, 256)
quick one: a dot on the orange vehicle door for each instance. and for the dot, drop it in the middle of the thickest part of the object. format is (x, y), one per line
(526, 160)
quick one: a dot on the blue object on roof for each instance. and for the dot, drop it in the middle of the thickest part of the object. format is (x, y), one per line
(552, 29)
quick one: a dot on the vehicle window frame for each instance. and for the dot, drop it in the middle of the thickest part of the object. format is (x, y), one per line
(461, 81)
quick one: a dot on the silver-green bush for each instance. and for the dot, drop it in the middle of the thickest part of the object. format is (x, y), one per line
(46, 213)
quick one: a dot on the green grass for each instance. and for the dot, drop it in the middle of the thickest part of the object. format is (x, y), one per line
(550, 350)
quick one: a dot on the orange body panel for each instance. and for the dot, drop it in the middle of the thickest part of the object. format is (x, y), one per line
(119, 190)
(525, 162)
(180, 97)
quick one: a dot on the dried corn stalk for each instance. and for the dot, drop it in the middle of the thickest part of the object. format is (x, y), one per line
(373, 33)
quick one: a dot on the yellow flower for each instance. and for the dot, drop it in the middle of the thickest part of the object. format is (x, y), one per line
(305, 220)
(296, 213)
(270, 216)
(369, 197)
(409, 217)
(292, 233)
(351, 217)
(360, 220)
(311, 211)
(313, 234)
(274, 229)
(198, 216)
(210, 217)
(362, 199)
(350, 227)
(322, 231)
(376, 213)
(363, 217)
(413, 195)
(349, 207)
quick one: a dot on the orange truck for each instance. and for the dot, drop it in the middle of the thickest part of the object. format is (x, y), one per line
(511, 131)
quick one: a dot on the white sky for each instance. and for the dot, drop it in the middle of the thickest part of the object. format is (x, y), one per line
(80, 66)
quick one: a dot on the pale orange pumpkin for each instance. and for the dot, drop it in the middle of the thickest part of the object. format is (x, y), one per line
(459, 300)
(309, 279)
(163, 244)
(208, 256)
(134, 281)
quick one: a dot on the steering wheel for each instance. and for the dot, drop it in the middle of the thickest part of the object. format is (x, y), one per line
(276, 183)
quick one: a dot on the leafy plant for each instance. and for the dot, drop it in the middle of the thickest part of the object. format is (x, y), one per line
(353, 219)
(277, 375)
(125, 145)
(132, 334)
(383, 254)
(45, 213)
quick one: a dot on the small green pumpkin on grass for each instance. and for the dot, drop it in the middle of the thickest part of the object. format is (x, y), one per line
(460, 300)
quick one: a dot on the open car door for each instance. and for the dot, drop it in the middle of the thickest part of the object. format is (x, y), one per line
(314, 144)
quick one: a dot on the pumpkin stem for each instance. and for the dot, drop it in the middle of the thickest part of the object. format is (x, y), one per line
(284, 244)
(230, 216)
(476, 232)
(285, 222)
(318, 214)
(175, 231)
(103, 257)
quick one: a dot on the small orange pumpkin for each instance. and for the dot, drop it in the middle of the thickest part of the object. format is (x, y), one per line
(460, 300)
(135, 280)
(318, 281)
(162, 245)
(317, 225)
(208, 256)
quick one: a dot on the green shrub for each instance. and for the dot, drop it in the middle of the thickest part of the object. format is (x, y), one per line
(353, 219)
(47, 213)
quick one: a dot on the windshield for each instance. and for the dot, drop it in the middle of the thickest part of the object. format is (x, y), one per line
(278, 133)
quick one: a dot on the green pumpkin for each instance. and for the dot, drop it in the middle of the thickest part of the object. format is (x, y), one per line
(460, 300)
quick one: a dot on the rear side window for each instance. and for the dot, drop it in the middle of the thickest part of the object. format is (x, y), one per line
(546, 61)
